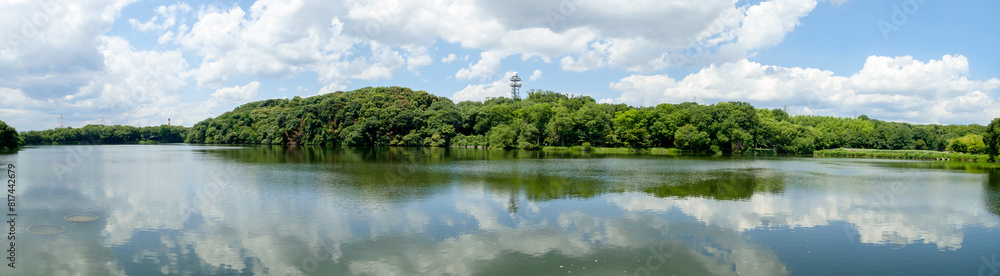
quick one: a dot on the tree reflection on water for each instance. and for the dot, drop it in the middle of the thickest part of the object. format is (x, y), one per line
(991, 192)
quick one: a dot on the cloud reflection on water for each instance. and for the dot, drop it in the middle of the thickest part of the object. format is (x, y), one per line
(319, 217)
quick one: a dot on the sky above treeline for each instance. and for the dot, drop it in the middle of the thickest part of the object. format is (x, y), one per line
(142, 62)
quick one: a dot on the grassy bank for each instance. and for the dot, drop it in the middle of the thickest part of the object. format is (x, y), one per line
(902, 154)
(659, 151)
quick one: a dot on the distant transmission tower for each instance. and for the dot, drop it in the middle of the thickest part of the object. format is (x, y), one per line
(61, 120)
(515, 85)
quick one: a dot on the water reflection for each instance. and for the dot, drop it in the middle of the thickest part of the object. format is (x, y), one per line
(879, 207)
(723, 184)
(991, 192)
(44, 200)
(542, 176)
(971, 167)
(403, 211)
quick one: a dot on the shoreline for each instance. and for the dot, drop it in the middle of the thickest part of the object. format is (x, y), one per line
(903, 154)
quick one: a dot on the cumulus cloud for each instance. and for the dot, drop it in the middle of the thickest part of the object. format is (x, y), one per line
(165, 15)
(52, 48)
(478, 92)
(895, 88)
(641, 37)
(281, 39)
(417, 57)
(139, 87)
(59, 56)
(488, 64)
(765, 25)
(134, 86)
(590, 59)
(237, 93)
(537, 75)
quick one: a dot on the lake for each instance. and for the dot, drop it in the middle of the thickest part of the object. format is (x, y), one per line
(271, 210)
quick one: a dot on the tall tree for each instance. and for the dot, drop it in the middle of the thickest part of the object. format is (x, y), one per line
(9, 139)
(992, 139)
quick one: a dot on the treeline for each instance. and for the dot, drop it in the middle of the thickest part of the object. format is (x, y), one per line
(396, 116)
(102, 134)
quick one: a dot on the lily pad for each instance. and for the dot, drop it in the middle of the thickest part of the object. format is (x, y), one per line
(46, 229)
(80, 218)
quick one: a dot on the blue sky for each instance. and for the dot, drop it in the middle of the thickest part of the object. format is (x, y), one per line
(141, 62)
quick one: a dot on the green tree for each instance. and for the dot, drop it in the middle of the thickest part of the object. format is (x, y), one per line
(630, 128)
(802, 145)
(502, 137)
(527, 136)
(10, 140)
(740, 141)
(971, 143)
(636, 138)
(594, 122)
(689, 138)
(561, 125)
(398, 116)
(992, 139)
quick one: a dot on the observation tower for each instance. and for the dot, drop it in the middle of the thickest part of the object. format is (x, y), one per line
(515, 85)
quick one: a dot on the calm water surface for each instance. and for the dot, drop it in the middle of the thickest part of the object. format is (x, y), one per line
(207, 210)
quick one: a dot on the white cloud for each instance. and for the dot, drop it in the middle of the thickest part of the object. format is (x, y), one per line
(479, 92)
(382, 64)
(134, 88)
(488, 64)
(61, 56)
(330, 88)
(281, 39)
(166, 14)
(237, 93)
(51, 48)
(137, 88)
(899, 88)
(640, 37)
(766, 25)
(537, 75)
(417, 57)
(589, 60)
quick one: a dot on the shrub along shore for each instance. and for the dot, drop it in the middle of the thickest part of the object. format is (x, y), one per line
(902, 154)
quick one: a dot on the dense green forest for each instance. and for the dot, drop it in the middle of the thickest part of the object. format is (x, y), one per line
(396, 116)
(9, 139)
(102, 134)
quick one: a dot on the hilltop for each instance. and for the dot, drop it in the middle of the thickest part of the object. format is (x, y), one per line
(397, 116)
